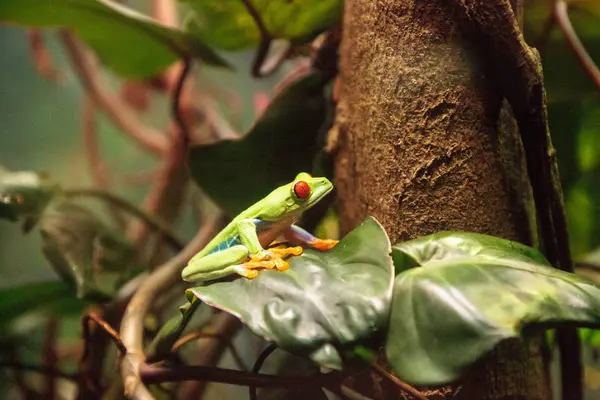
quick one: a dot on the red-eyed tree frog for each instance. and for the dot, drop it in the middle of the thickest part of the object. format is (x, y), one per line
(240, 247)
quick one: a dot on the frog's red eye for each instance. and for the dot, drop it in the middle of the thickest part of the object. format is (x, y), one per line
(301, 189)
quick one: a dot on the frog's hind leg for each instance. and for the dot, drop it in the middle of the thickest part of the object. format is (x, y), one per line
(217, 264)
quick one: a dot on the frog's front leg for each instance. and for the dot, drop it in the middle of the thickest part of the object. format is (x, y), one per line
(296, 235)
(249, 238)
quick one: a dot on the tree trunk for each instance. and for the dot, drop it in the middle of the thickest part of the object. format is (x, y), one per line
(424, 142)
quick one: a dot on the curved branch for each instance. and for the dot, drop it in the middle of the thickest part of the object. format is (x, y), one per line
(263, 48)
(176, 108)
(562, 18)
(150, 139)
(258, 365)
(210, 335)
(132, 324)
(124, 205)
(42, 57)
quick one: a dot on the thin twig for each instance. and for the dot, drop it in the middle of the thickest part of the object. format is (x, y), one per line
(132, 324)
(190, 337)
(90, 143)
(42, 57)
(258, 365)
(587, 63)
(154, 374)
(39, 369)
(220, 128)
(50, 360)
(148, 138)
(210, 335)
(166, 194)
(345, 392)
(405, 387)
(165, 13)
(114, 335)
(263, 48)
(227, 325)
(91, 149)
(268, 66)
(154, 223)
(176, 104)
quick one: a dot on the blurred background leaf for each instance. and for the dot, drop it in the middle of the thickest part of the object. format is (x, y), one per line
(130, 43)
(24, 195)
(280, 144)
(85, 251)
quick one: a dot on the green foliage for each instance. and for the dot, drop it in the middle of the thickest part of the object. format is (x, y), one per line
(130, 43)
(238, 173)
(226, 24)
(24, 195)
(23, 308)
(324, 305)
(471, 292)
(84, 251)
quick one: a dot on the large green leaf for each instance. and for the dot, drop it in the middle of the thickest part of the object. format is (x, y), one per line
(84, 251)
(228, 25)
(130, 43)
(446, 246)
(24, 195)
(25, 307)
(460, 304)
(324, 305)
(237, 173)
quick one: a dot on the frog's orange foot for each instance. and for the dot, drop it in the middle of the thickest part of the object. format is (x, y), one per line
(259, 264)
(246, 272)
(281, 264)
(323, 244)
(270, 259)
(287, 251)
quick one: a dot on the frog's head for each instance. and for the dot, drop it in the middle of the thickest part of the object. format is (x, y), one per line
(293, 199)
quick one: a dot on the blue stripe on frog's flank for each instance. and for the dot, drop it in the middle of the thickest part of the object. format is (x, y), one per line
(261, 226)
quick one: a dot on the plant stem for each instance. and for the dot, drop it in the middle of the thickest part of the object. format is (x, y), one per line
(124, 205)
(176, 106)
(562, 18)
(105, 327)
(265, 43)
(257, 366)
(121, 115)
(396, 381)
(132, 324)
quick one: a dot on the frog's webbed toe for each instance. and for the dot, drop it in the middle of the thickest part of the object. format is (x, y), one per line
(244, 271)
(286, 251)
(323, 244)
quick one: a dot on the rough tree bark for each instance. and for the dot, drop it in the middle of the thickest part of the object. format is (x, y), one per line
(425, 142)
